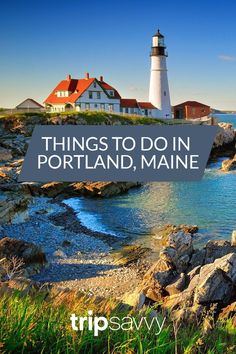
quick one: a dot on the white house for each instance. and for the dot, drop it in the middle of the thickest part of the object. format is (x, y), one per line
(29, 105)
(83, 94)
(91, 94)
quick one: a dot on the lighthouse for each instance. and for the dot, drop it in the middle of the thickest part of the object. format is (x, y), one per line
(159, 94)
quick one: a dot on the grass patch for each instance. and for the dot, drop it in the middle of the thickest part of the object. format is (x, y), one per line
(88, 117)
(34, 325)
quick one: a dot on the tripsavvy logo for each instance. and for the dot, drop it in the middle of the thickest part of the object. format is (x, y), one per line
(101, 323)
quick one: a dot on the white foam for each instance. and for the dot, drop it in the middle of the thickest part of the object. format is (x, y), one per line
(90, 220)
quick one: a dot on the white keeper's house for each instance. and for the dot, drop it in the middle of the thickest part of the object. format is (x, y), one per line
(91, 94)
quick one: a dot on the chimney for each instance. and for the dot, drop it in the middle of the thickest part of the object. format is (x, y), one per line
(87, 76)
(69, 77)
(101, 78)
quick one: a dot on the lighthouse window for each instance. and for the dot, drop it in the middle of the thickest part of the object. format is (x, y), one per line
(164, 93)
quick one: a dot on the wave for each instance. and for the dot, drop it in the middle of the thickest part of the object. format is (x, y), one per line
(90, 220)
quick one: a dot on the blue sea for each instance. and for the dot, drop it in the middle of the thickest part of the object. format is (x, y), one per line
(228, 118)
(209, 203)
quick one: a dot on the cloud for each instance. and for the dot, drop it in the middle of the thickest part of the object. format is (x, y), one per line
(227, 58)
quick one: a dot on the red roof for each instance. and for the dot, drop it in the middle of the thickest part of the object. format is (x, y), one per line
(108, 87)
(146, 105)
(76, 87)
(128, 103)
(192, 103)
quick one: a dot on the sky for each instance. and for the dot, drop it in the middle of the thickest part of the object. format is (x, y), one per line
(41, 42)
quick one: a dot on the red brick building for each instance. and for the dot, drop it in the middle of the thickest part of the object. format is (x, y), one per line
(191, 110)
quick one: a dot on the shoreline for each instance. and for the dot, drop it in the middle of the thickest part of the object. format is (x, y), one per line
(78, 258)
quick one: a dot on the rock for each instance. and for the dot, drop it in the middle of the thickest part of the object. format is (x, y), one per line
(193, 272)
(229, 312)
(11, 204)
(59, 253)
(233, 238)
(129, 254)
(52, 189)
(197, 258)
(66, 243)
(157, 278)
(217, 249)
(229, 165)
(10, 171)
(17, 144)
(177, 286)
(180, 300)
(164, 232)
(216, 281)
(226, 135)
(26, 251)
(90, 189)
(5, 154)
(102, 189)
(228, 265)
(181, 242)
(212, 287)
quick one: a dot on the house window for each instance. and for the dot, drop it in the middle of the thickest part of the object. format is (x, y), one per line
(164, 93)
(90, 94)
(87, 106)
(102, 107)
(110, 107)
(95, 105)
(98, 95)
(126, 110)
(111, 93)
(94, 85)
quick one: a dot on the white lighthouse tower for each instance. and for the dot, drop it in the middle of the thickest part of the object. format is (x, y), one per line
(159, 94)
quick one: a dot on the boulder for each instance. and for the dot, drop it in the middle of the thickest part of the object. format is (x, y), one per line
(197, 258)
(216, 249)
(216, 281)
(11, 204)
(233, 238)
(229, 165)
(27, 251)
(212, 286)
(177, 286)
(5, 154)
(17, 144)
(225, 135)
(159, 275)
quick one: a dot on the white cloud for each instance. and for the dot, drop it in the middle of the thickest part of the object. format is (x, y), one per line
(227, 58)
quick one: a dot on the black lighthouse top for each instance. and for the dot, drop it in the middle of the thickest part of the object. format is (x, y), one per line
(158, 44)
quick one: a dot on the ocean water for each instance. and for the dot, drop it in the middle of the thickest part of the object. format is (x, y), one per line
(229, 118)
(209, 203)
